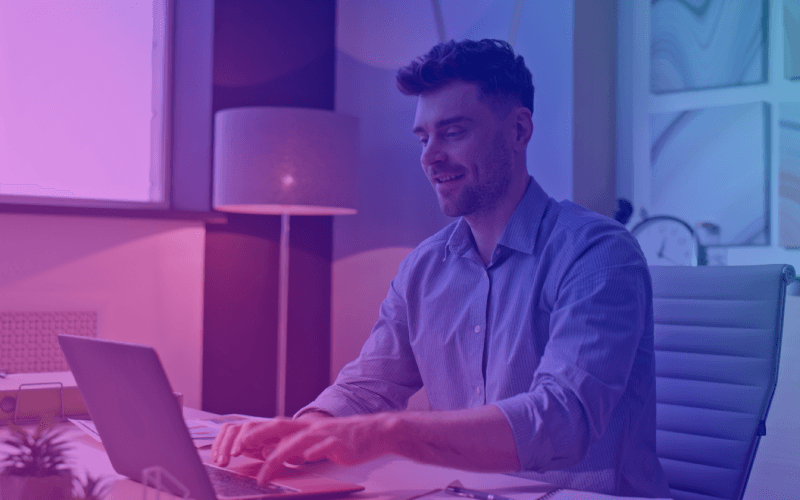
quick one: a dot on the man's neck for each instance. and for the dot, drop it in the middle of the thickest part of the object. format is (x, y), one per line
(488, 227)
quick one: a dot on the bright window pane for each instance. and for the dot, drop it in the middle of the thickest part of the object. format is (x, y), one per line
(81, 99)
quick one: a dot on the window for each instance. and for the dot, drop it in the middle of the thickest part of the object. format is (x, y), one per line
(83, 100)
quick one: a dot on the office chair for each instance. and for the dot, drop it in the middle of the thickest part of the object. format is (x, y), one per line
(717, 345)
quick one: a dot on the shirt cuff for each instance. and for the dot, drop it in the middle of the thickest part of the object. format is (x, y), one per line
(534, 450)
(331, 401)
(312, 409)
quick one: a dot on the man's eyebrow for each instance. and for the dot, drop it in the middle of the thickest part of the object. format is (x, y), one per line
(444, 123)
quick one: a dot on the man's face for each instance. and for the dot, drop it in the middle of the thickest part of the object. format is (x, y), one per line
(465, 154)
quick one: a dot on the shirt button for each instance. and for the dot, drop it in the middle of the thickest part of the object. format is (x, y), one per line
(477, 328)
(478, 390)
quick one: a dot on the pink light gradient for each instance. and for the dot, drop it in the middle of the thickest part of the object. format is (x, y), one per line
(144, 278)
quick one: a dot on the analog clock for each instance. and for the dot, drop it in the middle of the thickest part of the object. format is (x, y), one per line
(667, 241)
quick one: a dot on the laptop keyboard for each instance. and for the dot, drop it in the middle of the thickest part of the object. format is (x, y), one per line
(230, 484)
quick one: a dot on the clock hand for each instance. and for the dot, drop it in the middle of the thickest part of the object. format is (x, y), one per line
(661, 255)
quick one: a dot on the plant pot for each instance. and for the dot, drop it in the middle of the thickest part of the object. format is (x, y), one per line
(35, 488)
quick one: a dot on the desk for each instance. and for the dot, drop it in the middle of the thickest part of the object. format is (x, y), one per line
(387, 478)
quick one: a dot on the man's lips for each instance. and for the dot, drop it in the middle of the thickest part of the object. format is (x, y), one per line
(441, 179)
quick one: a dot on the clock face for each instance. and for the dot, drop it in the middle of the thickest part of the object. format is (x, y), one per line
(666, 241)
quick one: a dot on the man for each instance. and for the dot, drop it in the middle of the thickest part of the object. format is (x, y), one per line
(528, 321)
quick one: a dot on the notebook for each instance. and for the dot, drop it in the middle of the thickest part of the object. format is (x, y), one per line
(141, 425)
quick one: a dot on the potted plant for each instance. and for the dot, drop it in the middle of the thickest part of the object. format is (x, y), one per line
(35, 468)
(93, 488)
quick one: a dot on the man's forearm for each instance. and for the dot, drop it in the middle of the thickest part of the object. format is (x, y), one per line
(477, 439)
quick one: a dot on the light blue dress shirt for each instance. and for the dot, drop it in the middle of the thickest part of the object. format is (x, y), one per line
(557, 331)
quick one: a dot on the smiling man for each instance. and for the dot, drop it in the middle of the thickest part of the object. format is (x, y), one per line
(528, 321)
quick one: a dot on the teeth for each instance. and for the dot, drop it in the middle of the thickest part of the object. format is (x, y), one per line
(448, 178)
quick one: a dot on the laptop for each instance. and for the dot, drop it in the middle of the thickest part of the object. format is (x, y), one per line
(141, 425)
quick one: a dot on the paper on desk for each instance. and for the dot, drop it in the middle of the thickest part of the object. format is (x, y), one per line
(396, 477)
(202, 431)
(87, 426)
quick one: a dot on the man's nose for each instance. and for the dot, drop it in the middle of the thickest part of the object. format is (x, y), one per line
(432, 154)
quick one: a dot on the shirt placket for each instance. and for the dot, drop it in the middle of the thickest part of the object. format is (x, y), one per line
(478, 341)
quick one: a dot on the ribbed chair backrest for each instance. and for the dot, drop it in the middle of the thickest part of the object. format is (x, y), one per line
(717, 343)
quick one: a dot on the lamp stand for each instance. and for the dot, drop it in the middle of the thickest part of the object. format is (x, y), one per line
(283, 316)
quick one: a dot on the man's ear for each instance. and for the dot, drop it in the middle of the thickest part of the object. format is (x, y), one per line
(523, 127)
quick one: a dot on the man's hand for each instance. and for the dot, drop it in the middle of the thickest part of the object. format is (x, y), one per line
(477, 439)
(229, 439)
(345, 441)
(229, 443)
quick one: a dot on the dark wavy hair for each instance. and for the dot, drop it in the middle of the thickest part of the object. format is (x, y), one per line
(490, 63)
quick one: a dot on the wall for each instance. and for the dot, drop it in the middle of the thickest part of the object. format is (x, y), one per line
(143, 277)
(268, 54)
(594, 106)
(776, 469)
(397, 208)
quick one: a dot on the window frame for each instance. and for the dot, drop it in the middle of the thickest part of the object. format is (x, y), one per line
(186, 130)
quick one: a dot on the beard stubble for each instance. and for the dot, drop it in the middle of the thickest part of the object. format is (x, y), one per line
(481, 197)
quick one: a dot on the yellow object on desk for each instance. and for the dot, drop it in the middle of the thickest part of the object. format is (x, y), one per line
(27, 397)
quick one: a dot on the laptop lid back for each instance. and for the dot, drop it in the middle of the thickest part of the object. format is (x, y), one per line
(136, 414)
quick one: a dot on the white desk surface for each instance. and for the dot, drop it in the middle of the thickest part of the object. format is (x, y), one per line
(388, 478)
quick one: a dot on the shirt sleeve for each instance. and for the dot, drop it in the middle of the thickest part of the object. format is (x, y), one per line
(602, 305)
(385, 374)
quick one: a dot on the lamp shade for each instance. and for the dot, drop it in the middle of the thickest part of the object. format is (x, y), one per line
(285, 161)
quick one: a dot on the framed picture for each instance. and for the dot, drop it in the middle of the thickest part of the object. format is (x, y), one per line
(715, 43)
(711, 165)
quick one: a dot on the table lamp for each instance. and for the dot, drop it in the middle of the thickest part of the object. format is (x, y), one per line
(285, 161)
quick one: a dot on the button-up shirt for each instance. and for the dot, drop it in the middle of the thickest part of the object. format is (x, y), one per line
(557, 332)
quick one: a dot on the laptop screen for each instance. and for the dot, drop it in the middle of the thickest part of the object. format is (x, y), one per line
(136, 414)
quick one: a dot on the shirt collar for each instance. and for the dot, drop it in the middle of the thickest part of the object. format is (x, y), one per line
(520, 232)
(460, 239)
